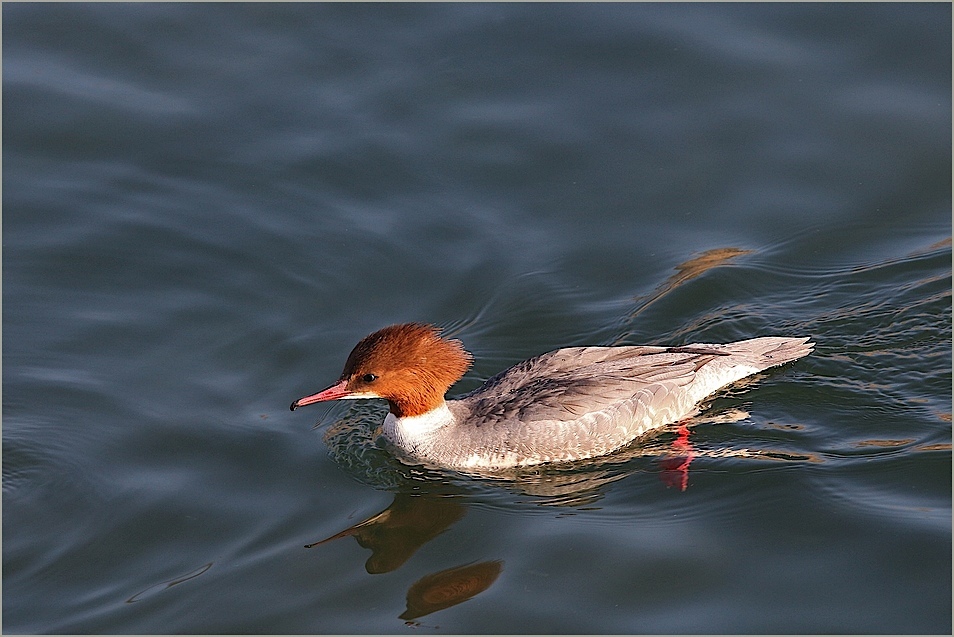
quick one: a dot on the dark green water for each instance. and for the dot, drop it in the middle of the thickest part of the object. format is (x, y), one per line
(206, 205)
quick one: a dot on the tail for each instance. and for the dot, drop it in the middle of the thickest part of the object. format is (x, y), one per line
(735, 361)
(769, 351)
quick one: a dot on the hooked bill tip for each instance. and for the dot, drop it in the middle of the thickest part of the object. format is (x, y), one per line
(336, 391)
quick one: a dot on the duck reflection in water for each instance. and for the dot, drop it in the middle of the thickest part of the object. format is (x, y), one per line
(395, 534)
(450, 587)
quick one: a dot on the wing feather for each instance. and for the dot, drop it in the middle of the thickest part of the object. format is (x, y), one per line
(581, 380)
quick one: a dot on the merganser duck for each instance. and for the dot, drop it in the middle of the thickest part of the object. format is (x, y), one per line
(566, 405)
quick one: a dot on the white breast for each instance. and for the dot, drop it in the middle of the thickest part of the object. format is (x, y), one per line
(414, 432)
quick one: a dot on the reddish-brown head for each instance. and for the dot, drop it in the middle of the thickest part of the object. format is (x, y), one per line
(409, 365)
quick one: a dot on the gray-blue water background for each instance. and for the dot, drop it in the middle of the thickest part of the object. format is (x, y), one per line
(206, 205)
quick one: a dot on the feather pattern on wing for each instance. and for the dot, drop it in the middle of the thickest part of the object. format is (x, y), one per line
(581, 402)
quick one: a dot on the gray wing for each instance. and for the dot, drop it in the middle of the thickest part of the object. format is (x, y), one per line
(572, 382)
(582, 402)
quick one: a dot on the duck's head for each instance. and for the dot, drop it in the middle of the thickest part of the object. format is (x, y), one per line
(410, 365)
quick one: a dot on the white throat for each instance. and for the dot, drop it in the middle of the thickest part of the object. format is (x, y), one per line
(410, 432)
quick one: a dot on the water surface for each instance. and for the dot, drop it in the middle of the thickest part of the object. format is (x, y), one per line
(205, 206)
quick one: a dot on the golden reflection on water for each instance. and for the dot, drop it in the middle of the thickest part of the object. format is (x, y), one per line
(884, 443)
(943, 243)
(686, 271)
(944, 446)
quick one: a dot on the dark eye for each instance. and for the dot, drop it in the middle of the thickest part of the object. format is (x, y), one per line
(369, 378)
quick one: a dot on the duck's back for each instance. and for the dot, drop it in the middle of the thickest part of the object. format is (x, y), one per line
(582, 402)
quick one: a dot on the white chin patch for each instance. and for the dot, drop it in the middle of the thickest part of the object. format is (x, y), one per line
(359, 395)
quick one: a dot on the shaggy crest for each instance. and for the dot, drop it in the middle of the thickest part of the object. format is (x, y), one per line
(405, 364)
